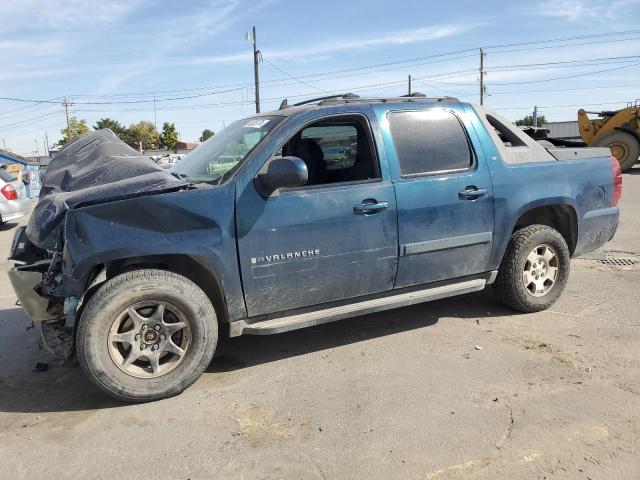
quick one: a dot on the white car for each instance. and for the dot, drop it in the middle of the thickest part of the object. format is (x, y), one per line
(14, 202)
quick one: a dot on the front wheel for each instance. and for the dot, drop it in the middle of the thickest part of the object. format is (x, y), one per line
(534, 270)
(146, 335)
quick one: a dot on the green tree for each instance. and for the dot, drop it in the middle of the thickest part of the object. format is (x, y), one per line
(113, 125)
(206, 134)
(142, 134)
(169, 135)
(116, 127)
(528, 121)
(76, 129)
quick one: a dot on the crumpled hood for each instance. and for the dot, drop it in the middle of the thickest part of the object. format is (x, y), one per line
(95, 168)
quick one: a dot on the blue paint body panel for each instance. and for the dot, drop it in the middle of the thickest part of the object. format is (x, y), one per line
(196, 223)
(431, 211)
(305, 247)
(585, 185)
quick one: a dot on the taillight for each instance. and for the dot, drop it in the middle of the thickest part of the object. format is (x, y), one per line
(9, 192)
(617, 181)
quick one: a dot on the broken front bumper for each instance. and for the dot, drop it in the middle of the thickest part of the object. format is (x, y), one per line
(24, 280)
(26, 277)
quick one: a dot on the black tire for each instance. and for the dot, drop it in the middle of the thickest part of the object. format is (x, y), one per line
(95, 349)
(627, 143)
(510, 287)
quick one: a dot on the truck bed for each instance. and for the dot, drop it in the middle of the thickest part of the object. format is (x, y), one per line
(568, 153)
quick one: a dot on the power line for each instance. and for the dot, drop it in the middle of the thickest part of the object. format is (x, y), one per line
(566, 39)
(328, 74)
(27, 121)
(567, 62)
(247, 85)
(622, 102)
(291, 76)
(568, 89)
(568, 76)
(581, 44)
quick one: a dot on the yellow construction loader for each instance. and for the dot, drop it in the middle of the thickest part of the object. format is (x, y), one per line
(619, 130)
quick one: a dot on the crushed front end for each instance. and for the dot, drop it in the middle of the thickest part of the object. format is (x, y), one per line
(96, 168)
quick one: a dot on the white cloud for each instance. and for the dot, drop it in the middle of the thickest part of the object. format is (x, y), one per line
(60, 14)
(40, 48)
(400, 37)
(576, 10)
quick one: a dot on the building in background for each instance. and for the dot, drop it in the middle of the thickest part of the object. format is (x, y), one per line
(22, 169)
(186, 147)
(565, 130)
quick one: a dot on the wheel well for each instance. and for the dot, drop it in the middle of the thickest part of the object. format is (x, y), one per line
(185, 265)
(561, 217)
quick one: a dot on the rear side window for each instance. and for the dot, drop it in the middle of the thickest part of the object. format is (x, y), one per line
(6, 176)
(506, 135)
(429, 141)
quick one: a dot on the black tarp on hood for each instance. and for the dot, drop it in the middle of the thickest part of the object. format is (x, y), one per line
(96, 167)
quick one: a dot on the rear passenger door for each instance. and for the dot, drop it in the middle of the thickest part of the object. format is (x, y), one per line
(444, 195)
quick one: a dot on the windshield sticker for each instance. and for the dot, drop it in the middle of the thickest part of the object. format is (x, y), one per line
(257, 123)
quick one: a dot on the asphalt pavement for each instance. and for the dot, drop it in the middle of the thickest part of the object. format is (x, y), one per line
(454, 389)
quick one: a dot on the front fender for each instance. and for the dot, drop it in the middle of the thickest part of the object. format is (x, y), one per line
(198, 223)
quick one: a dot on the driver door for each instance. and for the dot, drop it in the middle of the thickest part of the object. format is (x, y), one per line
(332, 239)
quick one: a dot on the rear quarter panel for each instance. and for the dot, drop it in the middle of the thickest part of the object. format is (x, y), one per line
(586, 185)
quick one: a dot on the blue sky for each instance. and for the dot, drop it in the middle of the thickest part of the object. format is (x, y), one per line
(99, 53)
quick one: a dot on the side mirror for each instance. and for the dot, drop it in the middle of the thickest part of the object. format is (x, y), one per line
(282, 172)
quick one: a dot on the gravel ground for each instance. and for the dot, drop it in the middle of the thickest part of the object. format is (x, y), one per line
(459, 388)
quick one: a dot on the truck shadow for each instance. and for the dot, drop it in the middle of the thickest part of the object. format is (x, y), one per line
(250, 350)
(64, 388)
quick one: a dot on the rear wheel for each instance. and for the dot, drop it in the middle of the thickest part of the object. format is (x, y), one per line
(624, 146)
(146, 335)
(534, 270)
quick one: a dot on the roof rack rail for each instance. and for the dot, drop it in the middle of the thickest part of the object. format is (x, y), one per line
(352, 97)
(345, 96)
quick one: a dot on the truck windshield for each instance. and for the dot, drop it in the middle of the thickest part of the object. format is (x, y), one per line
(224, 150)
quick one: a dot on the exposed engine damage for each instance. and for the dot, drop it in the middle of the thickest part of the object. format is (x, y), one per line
(94, 169)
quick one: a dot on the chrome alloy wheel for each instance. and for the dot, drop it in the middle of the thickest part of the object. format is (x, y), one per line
(540, 270)
(149, 339)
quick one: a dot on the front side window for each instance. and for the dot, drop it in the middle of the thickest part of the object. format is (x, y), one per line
(429, 141)
(222, 152)
(335, 150)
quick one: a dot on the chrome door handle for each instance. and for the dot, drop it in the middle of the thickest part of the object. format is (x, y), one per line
(370, 207)
(472, 193)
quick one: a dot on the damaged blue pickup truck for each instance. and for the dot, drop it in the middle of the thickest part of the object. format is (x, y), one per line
(328, 209)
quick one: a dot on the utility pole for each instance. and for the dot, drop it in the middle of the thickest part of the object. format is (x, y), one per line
(535, 116)
(5, 145)
(155, 116)
(409, 85)
(35, 140)
(256, 75)
(482, 54)
(46, 137)
(66, 105)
